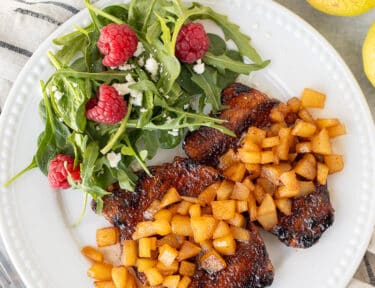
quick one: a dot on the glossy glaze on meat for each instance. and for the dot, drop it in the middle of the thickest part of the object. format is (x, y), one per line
(312, 214)
(246, 107)
(250, 267)
(125, 209)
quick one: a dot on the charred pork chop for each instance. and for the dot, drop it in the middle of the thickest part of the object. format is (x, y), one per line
(249, 267)
(312, 214)
(247, 107)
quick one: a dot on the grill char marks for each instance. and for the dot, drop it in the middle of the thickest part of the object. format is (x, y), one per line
(311, 216)
(246, 107)
(125, 209)
(249, 267)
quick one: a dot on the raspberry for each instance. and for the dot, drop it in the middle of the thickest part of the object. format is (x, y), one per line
(192, 43)
(59, 168)
(110, 108)
(117, 42)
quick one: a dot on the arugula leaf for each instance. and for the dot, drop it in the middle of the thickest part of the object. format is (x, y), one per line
(184, 80)
(225, 62)
(166, 36)
(71, 106)
(120, 131)
(168, 140)
(88, 183)
(53, 139)
(208, 83)
(231, 30)
(106, 76)
(70, 49)
(150, 141)
(119, 11)
(217, 44)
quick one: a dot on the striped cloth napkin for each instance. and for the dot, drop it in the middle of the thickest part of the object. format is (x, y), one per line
(24, 24)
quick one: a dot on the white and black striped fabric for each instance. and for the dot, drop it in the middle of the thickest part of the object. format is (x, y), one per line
(24, 24)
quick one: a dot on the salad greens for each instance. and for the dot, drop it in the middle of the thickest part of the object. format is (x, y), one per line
(172, 100)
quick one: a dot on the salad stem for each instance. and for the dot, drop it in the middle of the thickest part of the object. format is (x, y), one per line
(102, 13)
(53, 60)
(83, 211)
(32, 165)
(119, 132)
(136, 155)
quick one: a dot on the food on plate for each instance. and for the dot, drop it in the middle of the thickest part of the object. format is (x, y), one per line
(343, 7)
(283, 157)
(368, 54)
(202, 246)
(247, 107)
(189, 224)
(133, 80)
(136, 79)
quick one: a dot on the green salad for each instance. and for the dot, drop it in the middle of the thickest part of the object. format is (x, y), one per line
(172, 96)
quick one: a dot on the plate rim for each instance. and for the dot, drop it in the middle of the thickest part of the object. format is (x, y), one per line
(17, 259)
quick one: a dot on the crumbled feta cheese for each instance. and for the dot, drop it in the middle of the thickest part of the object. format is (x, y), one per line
(126, 67)
(54, 88)
(113, 159)
(152, 66)
(142, 110)
(58, 95)
(166, 96)
(97, 128)
(173, 132)
(121, 88)
(61, 119)
(169, 120)
(129, 78)
(140, 49)
(161, 90)
(136, 97)
(186, 106)
(199, 67)
(141, 61)
(75, 85)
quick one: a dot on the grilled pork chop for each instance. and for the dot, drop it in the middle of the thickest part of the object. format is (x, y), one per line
(249, 267)
(248, 107)
(311, 214)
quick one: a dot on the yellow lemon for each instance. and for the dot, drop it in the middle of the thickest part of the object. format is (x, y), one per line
(343, 7)
(368, 53)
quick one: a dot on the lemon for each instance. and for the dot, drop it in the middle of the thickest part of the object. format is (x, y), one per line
(368, 53)
(343, 7)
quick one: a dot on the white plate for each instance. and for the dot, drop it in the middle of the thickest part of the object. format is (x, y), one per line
(36, 221)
